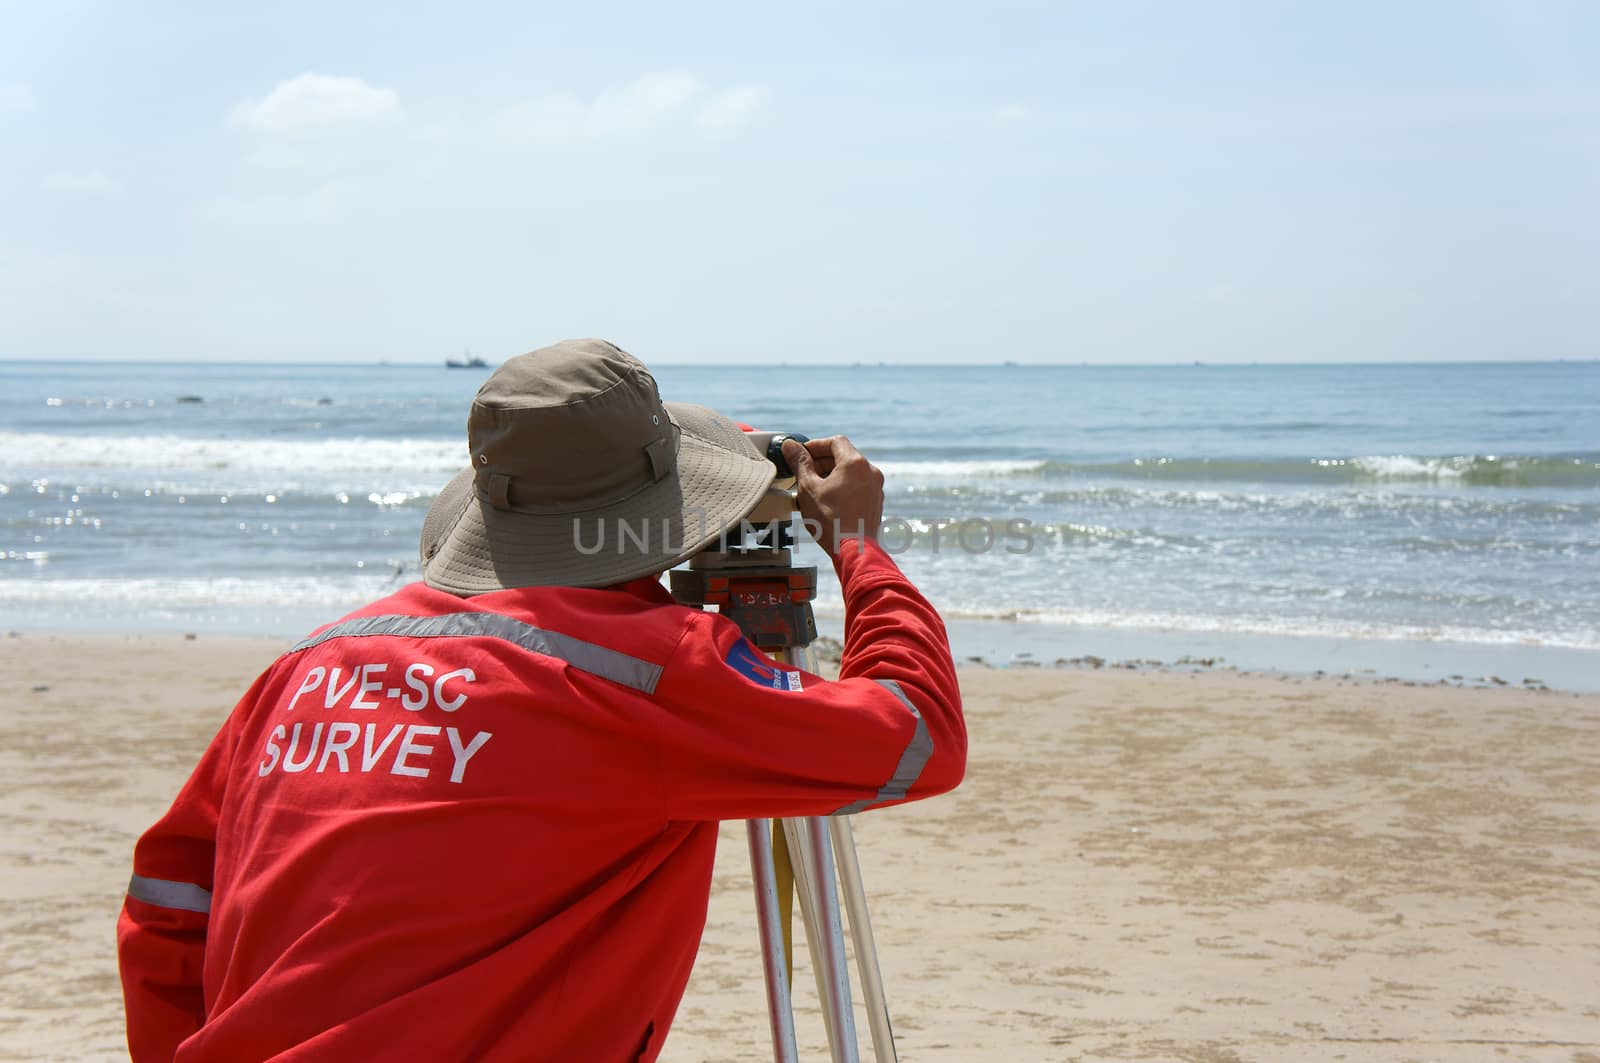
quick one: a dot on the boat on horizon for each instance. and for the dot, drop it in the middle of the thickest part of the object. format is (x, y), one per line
(469, 361)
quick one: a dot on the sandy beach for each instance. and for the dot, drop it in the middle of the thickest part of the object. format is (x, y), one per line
(1141, 865)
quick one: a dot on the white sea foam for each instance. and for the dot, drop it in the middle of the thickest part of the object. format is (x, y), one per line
(21, 452)
(1327, 628)
(26, 449)
(384, 466)
(957, 470)
(138, 602)
(1482, 470)
(1406, 467)
(168, 595)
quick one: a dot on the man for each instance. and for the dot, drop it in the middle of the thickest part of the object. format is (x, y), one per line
(476, 819)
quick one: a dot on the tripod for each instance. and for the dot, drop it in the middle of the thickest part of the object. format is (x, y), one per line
(752, 579)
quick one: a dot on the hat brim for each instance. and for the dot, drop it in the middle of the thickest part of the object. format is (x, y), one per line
(476, 548)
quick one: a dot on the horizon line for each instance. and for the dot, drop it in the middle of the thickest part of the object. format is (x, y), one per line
(1199, 363)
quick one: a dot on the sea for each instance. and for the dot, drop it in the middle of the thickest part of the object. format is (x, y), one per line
(1423, 522)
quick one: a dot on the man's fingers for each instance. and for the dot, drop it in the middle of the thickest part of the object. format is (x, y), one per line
(842, 450)
(820, 448)
(799, 459)
(827, 452)
(795, 454)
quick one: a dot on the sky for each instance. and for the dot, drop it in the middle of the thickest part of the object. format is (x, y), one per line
(1067, 182)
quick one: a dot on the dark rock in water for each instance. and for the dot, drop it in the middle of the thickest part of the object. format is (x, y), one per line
(1496, 680)
(189, 399)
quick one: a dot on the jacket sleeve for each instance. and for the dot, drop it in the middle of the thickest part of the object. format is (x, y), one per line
(742, 736)
(161, 934)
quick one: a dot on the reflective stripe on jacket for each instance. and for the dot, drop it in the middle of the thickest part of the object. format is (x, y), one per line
(448, 828)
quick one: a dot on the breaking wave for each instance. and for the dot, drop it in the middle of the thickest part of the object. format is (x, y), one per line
(1470, 470)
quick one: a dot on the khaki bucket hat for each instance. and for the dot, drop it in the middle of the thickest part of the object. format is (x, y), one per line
(581, 476)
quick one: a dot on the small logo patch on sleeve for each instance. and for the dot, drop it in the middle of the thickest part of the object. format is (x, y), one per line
(759, 669)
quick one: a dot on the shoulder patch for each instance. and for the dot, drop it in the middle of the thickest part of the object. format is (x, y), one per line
(759, 668)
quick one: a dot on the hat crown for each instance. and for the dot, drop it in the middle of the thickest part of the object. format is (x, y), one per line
(569, 427)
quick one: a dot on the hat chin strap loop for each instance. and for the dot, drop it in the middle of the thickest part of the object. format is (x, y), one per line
(500, 491)
(659, 451)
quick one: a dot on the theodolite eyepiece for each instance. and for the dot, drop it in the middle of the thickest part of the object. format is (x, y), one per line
(775, 452)
(771, 444)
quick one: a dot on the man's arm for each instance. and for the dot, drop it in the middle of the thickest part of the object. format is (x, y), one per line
(161, 934)
(741, 736)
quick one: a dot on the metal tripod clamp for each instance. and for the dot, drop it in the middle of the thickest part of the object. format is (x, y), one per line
(749, 577)
(770, 603)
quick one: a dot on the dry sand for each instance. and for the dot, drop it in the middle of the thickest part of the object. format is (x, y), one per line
(1139, 866)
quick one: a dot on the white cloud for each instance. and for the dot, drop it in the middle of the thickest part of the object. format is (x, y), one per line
(564, 120)
(327, 204)
(645, 102)
(1012, 114)
(15, 99)
(313, 100)
(730, 111)
(87, 184)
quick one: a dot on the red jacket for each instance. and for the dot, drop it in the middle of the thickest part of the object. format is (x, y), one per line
(483, 828)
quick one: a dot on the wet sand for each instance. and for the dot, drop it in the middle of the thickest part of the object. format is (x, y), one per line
(1140, 865)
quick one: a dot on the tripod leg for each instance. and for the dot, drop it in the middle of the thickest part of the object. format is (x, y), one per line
(783, 868)
(805, 880)
(832, 958)
(855, 901)
(833, 978)
(780, 1007)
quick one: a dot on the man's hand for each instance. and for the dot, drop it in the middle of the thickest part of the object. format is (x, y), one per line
(840, 492)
